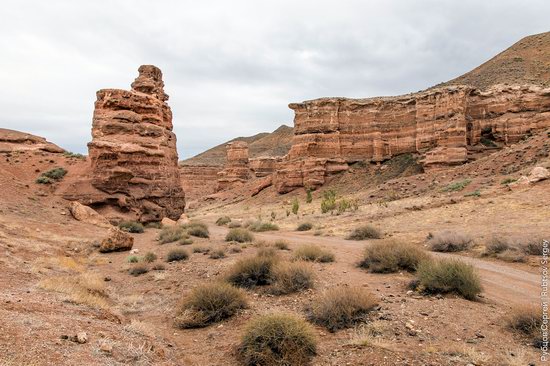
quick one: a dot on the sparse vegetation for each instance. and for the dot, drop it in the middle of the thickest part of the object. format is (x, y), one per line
(234, 224)
(508, 181)
(177, 255)
(392, 256)
(43, 180)
(186, 241)
(342, 307)
(138, 270)
(69, 154)
(277, 339)
(198, 229)
(55, 174)
(281, 245)
(235, 249)
(201, 249)
(448, 276)
(295, 206)
(291, 277)
(476, 193)
(85, 288)
(224, 220)
(313, 253)
(260, 226)
(149, 257)
(457, 186)
(239, 235)
(532, 246)
(309, 196)
(131, 226)
(217, 253)
(449, 242)
(364, 232)
(329, 201)
(132, 259)
(527, 320)
(305, 226)
(171, 234)
(209, 303)
(251, 272)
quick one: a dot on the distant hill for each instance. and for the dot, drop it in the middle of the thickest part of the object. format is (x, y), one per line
(276, 143)
(525, 62)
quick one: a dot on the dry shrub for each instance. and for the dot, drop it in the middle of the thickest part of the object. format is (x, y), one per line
(234, 224)
(364, 232)
(171, 234)
(532, 246)
(149, 257)
(342, 307)
(251, 272)
(306, 226)
(224, 220)
(512, 255)
(138, 270)
(177, 255)
(260, 226)
(281, 245)
(186, 241)
(235, 249)
(449, 241)
(277, 339)
(313, 253)
(217, 253)
(505, 249)
(448, 276)
(201, 249)
(392, 256)
(527, 320)
(197, 228)
(292, 277)
(239, 235)
(86, 288)
(266, 252)
(208, 304)
(131, 226)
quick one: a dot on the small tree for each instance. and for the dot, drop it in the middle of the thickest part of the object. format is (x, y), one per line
(309, 196)
(295, 206)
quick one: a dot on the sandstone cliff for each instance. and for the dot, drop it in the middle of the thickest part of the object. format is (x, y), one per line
(237, 169)
(13, 141)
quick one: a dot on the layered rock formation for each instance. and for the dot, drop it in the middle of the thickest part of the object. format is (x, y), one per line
(199, 180)
(237, 170)
(440, 124)
(12, 141)
(133, 157)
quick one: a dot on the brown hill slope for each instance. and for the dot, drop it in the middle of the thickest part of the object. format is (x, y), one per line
(276, 143)
(525, 62)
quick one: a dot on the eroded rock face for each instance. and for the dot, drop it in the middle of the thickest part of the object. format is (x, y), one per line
(13, 141)
(442, 125)
(199, 180)
(133, 156)
(237, 170)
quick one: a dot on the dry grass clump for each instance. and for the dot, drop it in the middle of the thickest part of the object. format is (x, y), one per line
(131, 226)
(305, 226)
(252, 271)
(171, 234)
(448, 276)
(132, 259)
(177, 255)
(235, 249)
(277, 339)
(217, 253)
(201, 249)
(507, 249)
(85, 288)
(364, 232)
(449, 241)
(208, 304)
(260, 226)
(234, 224)
(197, 228)
(533, 246)
(138, 270)
(342, 307)
(281, 245)
(266, 252)
(292, 277)
(527, 320)
(224, 220)
(392, 256)
(239, 235)
(185, 241)
(149, 257)
(313, 253)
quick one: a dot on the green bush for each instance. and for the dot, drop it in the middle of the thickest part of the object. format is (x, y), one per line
(171, 234)
(291, 277)
(177, 255)
(131, 226)
(329, 201)
(313, 253)
(448, 276)
(209, 304)
(43, 180)
(260, 226)
(69, 154)
(132, 259)
(305, 226)
(391, 256)
(277, 339)
(56, 173)
(224, 220)
(239, 235)
(364, 232)
(449, 241)
(342, 307)
(457, 186)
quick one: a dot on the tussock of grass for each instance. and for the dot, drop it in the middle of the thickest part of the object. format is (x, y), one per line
(457, 186)
(260, 226)
(132, 259)
(86, 288)
(185, 241)
(342, 307)
(450, 241)
(305, 226)
(532, 246)
(55, 174)
(217, 254)
(364, 232)
(209, 303)
(313, 253)
(171, 234)
(149, 257)
(198, 229)
(277, 339)
(224, 220)
(138, 270)
(177, 255)
(131, 226)
(281, 245)
(392, 256)
(201, 249)
(239, 235)
(527, 320)
(292, 277)
(448, 276)
(251, 272)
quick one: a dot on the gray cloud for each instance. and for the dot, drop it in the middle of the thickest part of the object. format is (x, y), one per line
(231, 68)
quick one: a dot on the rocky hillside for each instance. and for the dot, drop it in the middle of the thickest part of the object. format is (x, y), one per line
(525, 62)
(276, 143)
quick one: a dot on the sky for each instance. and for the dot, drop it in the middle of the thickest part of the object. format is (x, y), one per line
(232, 67)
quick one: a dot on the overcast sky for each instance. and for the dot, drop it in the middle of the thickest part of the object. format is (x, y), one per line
(232, 67)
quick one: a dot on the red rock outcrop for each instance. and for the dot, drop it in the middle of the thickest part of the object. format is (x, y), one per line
(237, 170)
(133, 157)
(263, 166)
(440, 124)
(199, 180)
(12, 141)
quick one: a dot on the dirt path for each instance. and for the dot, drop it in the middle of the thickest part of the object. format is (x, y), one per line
(502, 283)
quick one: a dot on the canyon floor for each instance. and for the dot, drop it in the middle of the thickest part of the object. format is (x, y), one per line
(130, 319)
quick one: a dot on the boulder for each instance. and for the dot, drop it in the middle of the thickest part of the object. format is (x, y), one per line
(87, 214)
(168, 222)
(183, 220)
(116, 241)
(538, 173)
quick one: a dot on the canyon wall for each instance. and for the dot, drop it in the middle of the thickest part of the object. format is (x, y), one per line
(133, 156)
(441, 125)
(199, 181)
(237, 169)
